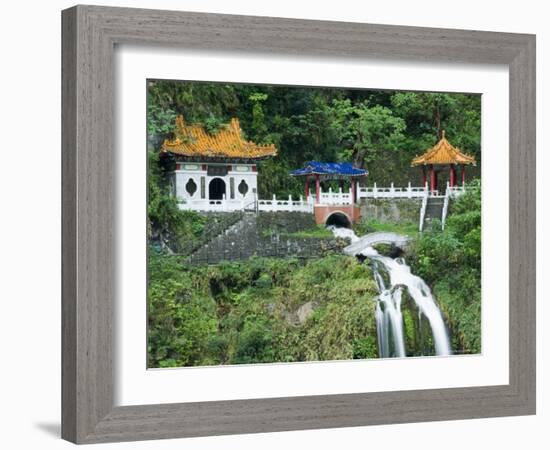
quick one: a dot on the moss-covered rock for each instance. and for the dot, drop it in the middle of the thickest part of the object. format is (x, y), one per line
(390, 250)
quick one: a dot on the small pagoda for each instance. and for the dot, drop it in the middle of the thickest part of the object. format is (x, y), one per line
(332, 204)
(440, 156)
(215, 170)
(323, 171)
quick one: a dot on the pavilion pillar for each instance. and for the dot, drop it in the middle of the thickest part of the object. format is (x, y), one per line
(353, 191)
(317, 189)
(306, 187)
(463, 174)
(423, 176)
(433, 181)
(452, 175)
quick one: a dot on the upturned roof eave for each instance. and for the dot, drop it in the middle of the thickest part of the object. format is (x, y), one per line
(218, 158)
(448, 155)
(443, 163)
(209, 146)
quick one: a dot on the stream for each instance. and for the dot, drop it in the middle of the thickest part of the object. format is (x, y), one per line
(395, 281)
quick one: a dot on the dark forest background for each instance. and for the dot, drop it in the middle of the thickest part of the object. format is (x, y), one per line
(378, 130)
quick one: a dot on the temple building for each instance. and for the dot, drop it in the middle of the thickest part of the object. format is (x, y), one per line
(443, 156)
(215, 171)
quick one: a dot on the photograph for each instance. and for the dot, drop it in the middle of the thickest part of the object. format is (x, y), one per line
(298, 224)
(268, 225)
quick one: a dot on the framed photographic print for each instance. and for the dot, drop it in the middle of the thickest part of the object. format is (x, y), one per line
(305, 210)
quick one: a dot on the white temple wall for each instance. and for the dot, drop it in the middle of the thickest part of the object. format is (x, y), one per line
(200, 191)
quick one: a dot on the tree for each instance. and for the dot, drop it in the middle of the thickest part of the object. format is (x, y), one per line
(259, 127)
(367, 133)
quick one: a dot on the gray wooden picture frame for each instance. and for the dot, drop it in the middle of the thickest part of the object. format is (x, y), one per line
(89, 36)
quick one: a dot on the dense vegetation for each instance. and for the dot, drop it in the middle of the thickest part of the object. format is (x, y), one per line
(260, 310)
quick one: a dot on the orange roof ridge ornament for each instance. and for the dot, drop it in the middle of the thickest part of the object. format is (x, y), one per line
(443, 153)
(192, 140)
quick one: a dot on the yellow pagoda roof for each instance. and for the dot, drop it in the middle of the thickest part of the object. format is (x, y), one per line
(443, 153)
(228, 142)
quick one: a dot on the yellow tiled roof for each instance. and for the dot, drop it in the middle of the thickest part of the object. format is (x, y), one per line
(228, 142)
(443, 153)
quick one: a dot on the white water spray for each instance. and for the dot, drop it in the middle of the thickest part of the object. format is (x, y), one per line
(389, 319)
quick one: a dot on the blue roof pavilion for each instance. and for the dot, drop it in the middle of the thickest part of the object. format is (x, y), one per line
(322, 171)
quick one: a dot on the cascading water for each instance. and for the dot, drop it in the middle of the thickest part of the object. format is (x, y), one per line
(389, 317)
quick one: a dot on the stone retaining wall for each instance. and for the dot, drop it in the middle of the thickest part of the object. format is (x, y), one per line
(391, 209)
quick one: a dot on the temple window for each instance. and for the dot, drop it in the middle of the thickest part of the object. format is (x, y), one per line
(191, 187)
(243, 188)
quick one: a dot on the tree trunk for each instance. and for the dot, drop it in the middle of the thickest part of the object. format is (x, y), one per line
(359, 157)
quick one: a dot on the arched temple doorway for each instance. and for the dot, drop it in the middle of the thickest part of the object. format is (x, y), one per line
(216, 189)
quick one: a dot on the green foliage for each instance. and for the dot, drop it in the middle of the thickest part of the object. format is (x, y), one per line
(196, 101)
(160, 121)
(367, 131)
(181, 316)
(258, 127)
(318, 231)
(167, 224)
(450, 261)
(365, 348)
(212, 125)
(247, 312)
(426, 114)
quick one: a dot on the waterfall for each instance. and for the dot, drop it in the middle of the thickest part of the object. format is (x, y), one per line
(389, 318)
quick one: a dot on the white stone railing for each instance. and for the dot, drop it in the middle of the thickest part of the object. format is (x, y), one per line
(285, 205)
(423, 212)
(326, 198)
(450, 192)
(444, 210)
(455, 191)
(336, 198)
(228, 205)
(223, 205)
(392, 191)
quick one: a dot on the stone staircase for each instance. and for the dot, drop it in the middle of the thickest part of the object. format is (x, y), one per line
(434, 211)
(245, 238)
(230, 244)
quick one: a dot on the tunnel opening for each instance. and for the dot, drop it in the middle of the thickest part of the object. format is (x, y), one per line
(339, 220)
